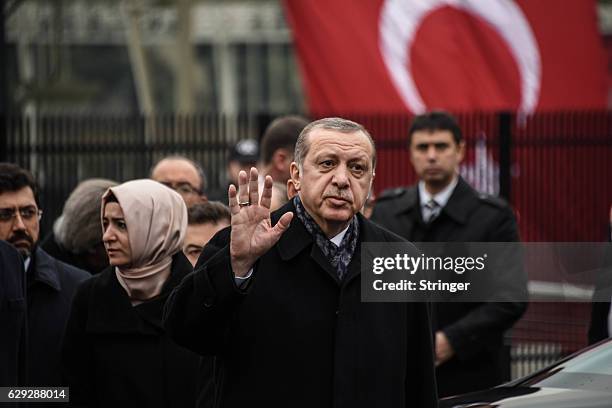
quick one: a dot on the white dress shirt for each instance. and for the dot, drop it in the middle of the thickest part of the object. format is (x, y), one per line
(441, 198)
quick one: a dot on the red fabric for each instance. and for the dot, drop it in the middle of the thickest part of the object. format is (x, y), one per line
(459, 62)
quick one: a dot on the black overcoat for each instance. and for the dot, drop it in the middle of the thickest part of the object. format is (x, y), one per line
(51, 286)
(13, 328)
(297, 336)
(475, 330)
(118, 355)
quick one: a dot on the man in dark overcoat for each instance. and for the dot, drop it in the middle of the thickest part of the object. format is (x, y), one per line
(442, 207)
(50, 284)
(279, 305)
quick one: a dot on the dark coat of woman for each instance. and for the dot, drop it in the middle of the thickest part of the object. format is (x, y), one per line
(116, 352)
(116, 355)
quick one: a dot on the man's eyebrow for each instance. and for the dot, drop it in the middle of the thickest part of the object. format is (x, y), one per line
(430, 143)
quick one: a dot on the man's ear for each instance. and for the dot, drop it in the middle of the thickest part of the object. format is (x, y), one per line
(410, 155)
(461, 149)
(295, 175)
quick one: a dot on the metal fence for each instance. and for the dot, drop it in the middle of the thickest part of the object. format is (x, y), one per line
(554, 168)
(63, 150)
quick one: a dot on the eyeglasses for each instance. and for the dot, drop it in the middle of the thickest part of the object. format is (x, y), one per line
(182, 188)
(26, 213)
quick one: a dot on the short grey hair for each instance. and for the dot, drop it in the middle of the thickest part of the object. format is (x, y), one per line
(339, 125)
(79, 229)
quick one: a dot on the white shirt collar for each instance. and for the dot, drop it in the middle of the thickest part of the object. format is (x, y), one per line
(441, 198)
(337, 240)
(26, 263)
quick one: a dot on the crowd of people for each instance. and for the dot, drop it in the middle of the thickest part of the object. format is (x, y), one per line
(160, 292)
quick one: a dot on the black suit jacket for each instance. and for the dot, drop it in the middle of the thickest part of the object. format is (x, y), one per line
(299, 337)
(475, 330)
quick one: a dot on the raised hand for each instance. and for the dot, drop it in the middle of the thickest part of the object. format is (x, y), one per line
(252, 231)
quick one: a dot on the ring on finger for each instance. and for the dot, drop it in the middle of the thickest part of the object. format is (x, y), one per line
(244, 203)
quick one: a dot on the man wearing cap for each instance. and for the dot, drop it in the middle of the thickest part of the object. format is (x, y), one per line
(243, 156)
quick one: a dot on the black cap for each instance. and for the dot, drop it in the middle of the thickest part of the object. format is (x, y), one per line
(245, 151)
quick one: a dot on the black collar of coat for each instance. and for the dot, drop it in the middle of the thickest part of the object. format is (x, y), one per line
(296, 239)
(461, 203)
(110, 309)
(43, 269)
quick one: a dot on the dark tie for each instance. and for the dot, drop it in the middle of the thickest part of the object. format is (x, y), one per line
(434, 210)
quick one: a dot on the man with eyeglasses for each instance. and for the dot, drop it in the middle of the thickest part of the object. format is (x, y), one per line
(183, 175)
(50, 284)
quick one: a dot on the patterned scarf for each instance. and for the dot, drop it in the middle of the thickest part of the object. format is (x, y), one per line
(339, 256)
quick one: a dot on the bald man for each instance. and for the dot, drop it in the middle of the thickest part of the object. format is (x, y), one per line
(183, 175)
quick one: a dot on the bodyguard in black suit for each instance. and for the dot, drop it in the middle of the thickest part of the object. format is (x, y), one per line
(444, 208)
(280, 307)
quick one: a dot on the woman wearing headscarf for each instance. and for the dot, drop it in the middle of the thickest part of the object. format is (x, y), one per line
(116, 352)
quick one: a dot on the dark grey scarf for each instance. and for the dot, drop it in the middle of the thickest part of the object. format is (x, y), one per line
(339, 256)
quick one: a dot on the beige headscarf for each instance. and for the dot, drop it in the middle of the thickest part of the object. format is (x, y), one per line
(156, 219)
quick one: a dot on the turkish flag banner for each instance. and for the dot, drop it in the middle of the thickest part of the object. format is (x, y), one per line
(394, 56)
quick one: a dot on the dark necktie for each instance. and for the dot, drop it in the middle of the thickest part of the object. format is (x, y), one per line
(433, 209)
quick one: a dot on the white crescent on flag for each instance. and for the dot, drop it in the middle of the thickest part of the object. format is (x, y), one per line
(400, 20)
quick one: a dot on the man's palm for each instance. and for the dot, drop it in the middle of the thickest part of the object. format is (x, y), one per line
(252, 231)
